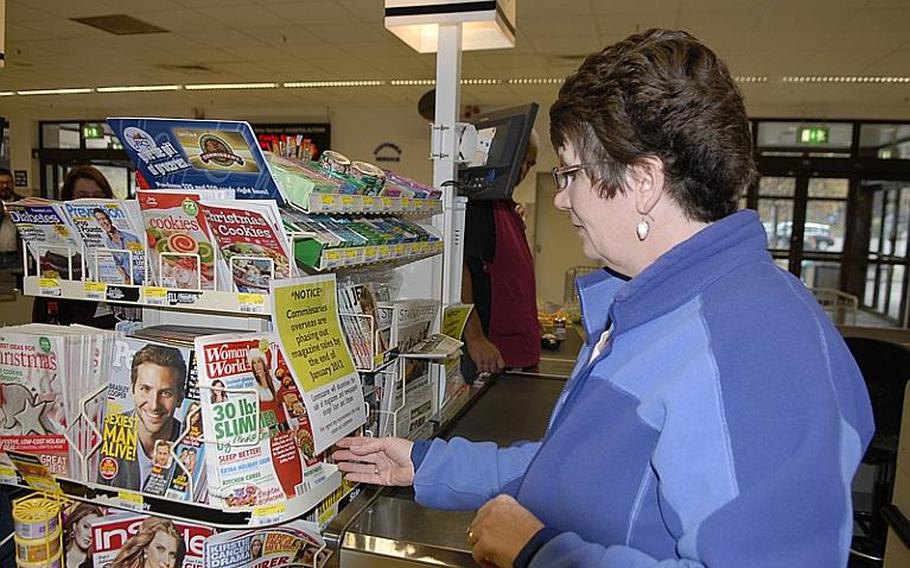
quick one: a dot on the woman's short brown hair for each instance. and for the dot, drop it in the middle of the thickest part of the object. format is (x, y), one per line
(84, 172)
(659, 94)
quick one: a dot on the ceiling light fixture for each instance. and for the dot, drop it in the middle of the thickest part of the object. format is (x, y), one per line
(138, 88)
(865, 79)
(55, 91)
(7, 93)
(329, 84)
(536, 81)
(412, 82)
(484, 25)
(228, 86)
(751, 79)
(481, 81)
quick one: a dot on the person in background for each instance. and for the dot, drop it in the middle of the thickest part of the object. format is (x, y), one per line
(83, 182)
(9, 237)
(715, 416)
(502, 331)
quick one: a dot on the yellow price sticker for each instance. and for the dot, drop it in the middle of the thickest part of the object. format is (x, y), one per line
(347, 202)
(251, 303)
(400, 250)
(155, 295)
(270, 510)
(95, 290)
(385, 251)
(369, 202)
(387, 203)
(49, 287)
(371, 252)
(350, 254)
(131, 500)
(328, 202)
(406, 204)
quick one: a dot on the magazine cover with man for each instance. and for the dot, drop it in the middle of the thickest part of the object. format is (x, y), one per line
(260, 440)
(152, 390)
(133, 539)
(113, 235)
(52, 242)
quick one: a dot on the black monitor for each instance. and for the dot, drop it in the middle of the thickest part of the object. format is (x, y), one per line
(502, 137)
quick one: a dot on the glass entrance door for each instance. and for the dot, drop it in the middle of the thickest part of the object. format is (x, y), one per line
(805, 219)
(886, 266)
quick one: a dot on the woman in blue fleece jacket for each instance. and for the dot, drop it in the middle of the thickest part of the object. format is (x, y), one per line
(715, 417)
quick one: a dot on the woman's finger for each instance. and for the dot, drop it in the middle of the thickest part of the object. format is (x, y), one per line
(355, 467)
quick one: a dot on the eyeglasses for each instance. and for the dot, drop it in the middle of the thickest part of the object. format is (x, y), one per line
(563, 176)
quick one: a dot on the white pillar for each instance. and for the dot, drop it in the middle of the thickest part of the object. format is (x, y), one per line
(448, 88)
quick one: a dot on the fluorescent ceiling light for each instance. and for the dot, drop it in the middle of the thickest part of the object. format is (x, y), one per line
(323, 84)
(484, 25)
(751, 79)
(54, 92)
(227, 86)
(138, 88)
(535, 81)
(481, 81)
(879, 79)
(412, 82)
(7, 93)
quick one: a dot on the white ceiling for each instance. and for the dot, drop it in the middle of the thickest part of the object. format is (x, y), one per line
(282, 40)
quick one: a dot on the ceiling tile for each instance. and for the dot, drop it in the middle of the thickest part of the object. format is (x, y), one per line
(312, 12)
(239, 17)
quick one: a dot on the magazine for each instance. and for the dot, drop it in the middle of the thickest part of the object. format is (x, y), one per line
(251, 243)
(366, 323)
(129, 538)
(34, 401)
(112, 233)
(151, 421)
(262, 441)
(181, 254)
(296, 543)
(52, 242)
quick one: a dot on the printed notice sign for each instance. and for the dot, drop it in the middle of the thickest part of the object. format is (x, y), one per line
(305, 317)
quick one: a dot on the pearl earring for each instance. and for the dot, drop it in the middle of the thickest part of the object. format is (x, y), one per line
(643, 228)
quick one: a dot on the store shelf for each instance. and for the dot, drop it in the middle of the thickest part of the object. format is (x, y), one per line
(192, 300)
(333, 258)
(345, 204)
(262, 516)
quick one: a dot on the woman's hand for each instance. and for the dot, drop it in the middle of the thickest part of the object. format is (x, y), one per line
(381, 461)
(500, 530)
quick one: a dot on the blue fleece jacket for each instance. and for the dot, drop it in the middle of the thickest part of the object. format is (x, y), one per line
(721, 425)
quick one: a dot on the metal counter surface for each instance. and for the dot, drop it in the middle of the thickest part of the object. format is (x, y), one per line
(394, 531)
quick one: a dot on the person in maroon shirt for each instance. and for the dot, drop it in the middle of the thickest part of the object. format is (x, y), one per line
(498, 278)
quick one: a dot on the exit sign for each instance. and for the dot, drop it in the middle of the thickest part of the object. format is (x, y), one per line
(816, 135)
(92, 131)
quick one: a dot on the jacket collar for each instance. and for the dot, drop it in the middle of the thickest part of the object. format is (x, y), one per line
(674, 278)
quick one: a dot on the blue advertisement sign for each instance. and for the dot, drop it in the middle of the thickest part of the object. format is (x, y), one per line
(197, 154)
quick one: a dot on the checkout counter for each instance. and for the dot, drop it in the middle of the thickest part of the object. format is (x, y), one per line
(385, 527)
